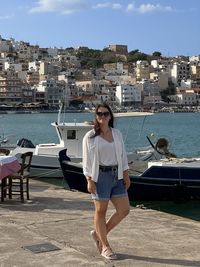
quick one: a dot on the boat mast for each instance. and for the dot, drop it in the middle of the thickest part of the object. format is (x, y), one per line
(59, 112)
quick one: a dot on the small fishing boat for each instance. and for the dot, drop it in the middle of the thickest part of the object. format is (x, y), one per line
(3, 139)
(165, 179)
(45, 161)
(168, 179)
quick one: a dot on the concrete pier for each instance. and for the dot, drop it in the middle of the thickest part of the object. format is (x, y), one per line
(52, 229)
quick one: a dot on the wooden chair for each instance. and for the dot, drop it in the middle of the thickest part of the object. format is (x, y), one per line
(4, 151)
(3, 183)
(18, 183)
(4, 187)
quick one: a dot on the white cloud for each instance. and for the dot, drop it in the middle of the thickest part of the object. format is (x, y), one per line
(117, 6)
(60, 6)
(6, 17)
(148, 8)
(130, 7)
(72, 6)
(108, 5)
(102, 5)
(153, 8)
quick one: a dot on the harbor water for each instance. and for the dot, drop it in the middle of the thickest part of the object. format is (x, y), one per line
(181, 129)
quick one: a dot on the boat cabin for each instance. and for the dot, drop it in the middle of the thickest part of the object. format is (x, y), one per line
(70, 136)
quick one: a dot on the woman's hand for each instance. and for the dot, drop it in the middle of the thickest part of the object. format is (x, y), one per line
(126, 178)
(91, 187)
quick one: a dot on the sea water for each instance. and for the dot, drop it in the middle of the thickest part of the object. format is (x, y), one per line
(181, 129)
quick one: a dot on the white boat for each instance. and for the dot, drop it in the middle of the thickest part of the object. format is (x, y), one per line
(3, 139)
(45, 161)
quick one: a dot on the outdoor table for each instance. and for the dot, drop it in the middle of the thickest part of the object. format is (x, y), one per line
(8, 165)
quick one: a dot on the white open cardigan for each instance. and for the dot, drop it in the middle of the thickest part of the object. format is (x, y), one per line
(91, 155)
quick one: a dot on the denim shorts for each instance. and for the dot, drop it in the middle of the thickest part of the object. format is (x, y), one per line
(108, 186)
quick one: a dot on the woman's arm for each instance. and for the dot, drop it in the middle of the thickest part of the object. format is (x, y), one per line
(124, 155)
(87, 166)
(91, 187)
(126, 178)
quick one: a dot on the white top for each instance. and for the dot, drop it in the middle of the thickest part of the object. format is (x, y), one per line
(91, 154)
(107, 152)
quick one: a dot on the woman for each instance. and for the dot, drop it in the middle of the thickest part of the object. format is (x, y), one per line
(105, 166)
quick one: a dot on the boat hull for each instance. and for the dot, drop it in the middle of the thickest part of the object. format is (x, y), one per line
(74, 177)
(166, 183)
(159, 183)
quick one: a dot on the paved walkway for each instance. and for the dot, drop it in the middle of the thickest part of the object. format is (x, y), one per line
(58, 218)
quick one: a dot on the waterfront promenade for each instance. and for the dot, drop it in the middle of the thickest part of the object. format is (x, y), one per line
(56, 218)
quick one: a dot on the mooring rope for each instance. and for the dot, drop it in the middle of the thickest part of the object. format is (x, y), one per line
(130, 125)
(40, 175)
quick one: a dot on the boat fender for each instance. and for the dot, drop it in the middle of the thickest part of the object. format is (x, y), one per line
(180, 193)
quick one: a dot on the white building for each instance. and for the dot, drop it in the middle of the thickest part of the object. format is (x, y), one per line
(186, 84)
(194, 58)
(35, 65)
(185, 98)
(13, 66)
(127, 95)
(180, 71)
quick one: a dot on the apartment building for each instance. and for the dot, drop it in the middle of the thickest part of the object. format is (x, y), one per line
(128, 95)
(118, 68)
(142, 70)
(195, 74)
(161, 77)
(51, 69)
(10, 88)
(91, 87)
(50, 92)
(185, 98)
(32, 77)
(180, 71)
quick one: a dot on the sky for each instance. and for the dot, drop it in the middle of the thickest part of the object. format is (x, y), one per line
(171, 27)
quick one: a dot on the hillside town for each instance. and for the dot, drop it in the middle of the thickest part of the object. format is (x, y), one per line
(32, 77)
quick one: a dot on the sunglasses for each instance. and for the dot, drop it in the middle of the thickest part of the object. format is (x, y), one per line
(105, 114)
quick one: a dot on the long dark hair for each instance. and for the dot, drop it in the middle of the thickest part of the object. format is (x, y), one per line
(97, 128)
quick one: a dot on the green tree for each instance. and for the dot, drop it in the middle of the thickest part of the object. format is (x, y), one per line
(157, 54)
(136, 55)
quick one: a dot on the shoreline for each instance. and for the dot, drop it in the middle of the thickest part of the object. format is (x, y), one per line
(132, 114)
(116, 114)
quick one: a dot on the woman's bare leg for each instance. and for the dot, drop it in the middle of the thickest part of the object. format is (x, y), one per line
(101, 226)
(100, 221)
(122, 207)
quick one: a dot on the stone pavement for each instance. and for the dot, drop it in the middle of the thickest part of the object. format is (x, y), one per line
(62, 219)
